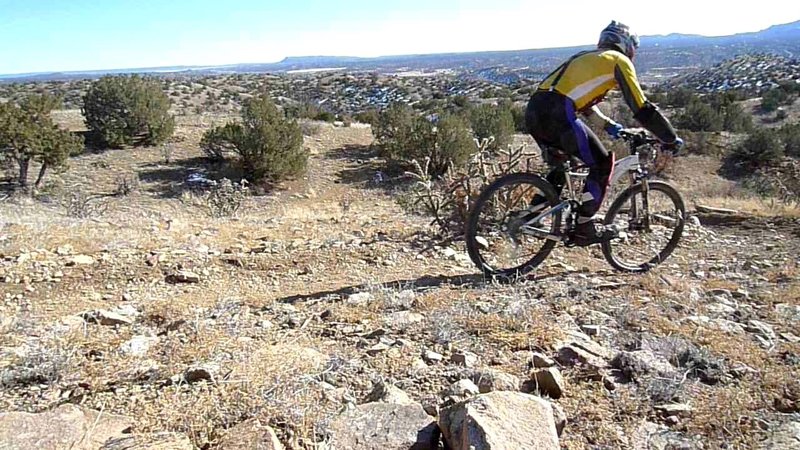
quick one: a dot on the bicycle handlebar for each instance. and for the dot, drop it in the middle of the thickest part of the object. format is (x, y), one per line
(638, 138)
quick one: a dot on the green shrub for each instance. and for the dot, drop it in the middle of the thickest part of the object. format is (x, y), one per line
(761, 148)
(268, 145)
(325, 116)
(493, 120)
(790, 138)
(219, 142)
(393, 132)
(697, 142)
(680, 97)
(700, 116)
(460, 101)
(310, 111)
(369, 116)
(453, 144)
(773, 98)
(403, 137)
(27, 133)
(518, 113)
(127, 110)
(736, 120)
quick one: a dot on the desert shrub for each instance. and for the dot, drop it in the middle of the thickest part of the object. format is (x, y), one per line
(78, 205)
(268, 145)
(493, 121)
(622, 114)
(41, 365)
(325, 116)
(736, 120)
(700, 116)
(27, 133)
(762, 148)
(657, 97)
(127, 110)
(218, 142)
(695, 142)
(715, 112)
(790, 138)
(452, 146)
(403, 137)
(166, 152)
(460, 101)
(311, 111)
(369, 116)
(518, 113)
(393, 132)
(127, 185)
(773, 98)
(679, 97)
(346, 119)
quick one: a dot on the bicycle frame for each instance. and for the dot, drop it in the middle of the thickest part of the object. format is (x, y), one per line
(630, 166)
(531, 213)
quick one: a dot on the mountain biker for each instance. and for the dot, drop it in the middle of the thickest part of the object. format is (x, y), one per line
(576, 87)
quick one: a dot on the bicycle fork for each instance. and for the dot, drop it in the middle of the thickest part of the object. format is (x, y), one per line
(645, 205)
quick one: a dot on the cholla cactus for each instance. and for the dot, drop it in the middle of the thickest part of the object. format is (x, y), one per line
(448, 200)
(226, 197)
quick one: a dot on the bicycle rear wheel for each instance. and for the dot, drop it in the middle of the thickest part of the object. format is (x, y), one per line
(651, 219)
(501, 241)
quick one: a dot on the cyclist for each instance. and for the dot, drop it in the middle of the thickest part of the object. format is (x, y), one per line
(576, 87)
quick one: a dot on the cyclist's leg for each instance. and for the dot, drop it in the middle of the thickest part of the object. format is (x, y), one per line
(582, 142)
(542, 125)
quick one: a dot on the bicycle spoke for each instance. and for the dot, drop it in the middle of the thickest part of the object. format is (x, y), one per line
(502, 237)
(649, 229)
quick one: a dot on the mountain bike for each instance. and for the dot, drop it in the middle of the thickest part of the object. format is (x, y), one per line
(519, 218)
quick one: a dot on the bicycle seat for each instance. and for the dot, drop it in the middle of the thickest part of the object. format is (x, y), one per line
(554, 156)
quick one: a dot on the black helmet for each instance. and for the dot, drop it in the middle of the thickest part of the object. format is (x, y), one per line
(618, 36)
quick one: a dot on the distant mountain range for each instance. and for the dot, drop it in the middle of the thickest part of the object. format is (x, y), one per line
(659, 56)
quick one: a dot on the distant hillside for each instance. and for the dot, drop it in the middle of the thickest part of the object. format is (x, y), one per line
(659, 57)
(752, 73)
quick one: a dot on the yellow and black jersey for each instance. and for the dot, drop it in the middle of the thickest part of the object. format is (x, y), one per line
(588, 76)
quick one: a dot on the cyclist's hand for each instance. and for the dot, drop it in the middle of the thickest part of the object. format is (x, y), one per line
(613, 129)
(674, 146)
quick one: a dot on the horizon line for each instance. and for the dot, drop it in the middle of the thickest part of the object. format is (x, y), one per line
(124, 70)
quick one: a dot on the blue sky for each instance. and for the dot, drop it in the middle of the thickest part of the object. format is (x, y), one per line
(62, 35)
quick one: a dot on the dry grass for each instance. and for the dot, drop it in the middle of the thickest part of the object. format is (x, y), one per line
(524, 331)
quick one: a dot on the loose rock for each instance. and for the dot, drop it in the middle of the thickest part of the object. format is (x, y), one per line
(493, 421)
(384, 426)
(106, 318)
(387, 393)
(548, 382)
(67, 426)
(250, 434)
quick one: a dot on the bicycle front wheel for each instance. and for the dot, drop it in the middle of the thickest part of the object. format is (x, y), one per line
(651, 217)
(502, 239)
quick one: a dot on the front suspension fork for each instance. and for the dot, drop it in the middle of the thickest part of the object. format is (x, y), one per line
(642, 216)
(646, 205)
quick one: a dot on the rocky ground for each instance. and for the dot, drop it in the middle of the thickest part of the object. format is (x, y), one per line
(323, 316)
